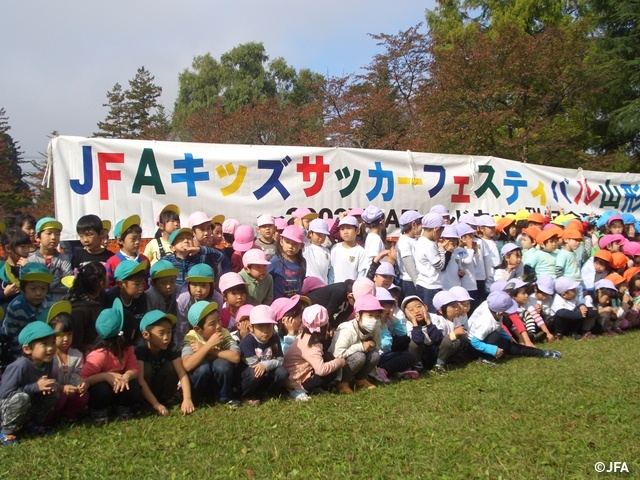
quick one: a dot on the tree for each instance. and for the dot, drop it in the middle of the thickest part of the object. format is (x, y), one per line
(15, 196)
(135, 112)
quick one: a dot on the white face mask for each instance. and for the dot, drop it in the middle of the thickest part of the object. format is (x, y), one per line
(369, 324)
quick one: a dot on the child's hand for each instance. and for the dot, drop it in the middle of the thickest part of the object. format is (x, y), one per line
(459, 331)
(288, 323)
(193, 251)
(195, 346)
(258, 370)
(381, 255)
(46, 385)
(187, 407)
(499, 353)
(550, 338)
(22, 262)
(243, 328)
(368, 345)
(83, 387)
(11, 289)
(461, 273)
(584, 310)
(214, 340)
(161, 409)
(343, 361)
(120, 384)
(69, 390)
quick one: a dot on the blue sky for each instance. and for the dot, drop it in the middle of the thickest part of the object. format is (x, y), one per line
(60, 58)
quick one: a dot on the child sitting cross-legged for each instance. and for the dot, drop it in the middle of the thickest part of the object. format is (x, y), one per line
(160, 362)
(263, 374)
(29, 391)
(210, 355)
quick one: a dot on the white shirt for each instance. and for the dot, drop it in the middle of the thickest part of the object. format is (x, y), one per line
(373, 245)
(482, 323)
(427, 255)
(347, 262)
(405, 247)
(318, 262)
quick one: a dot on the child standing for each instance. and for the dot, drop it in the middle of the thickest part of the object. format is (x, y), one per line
(374, 233)
(28, 391)
(288, 267)
(348, 259)
(309, 367)
(90, 230)
(259, 282)
(430, 258)
(358, 341)
(26, 307)
(168, 221)
(67, 364)
(262, 357)
(16, 245)
(87, 298)
(267, 229)
(162, 293)
(111, 369)
(59, 264)
(185, 254)
(210, 355)
(160, 362)
(318, 256)
(128, 233)
(131, 279)
(411, 227)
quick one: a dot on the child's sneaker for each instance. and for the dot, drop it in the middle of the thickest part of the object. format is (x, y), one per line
(380, 375)
(486, 361)
(408, 374)
(8, 439)
(252, 402)
(299, 395)
(440, 369)
(552, 354)
(33, 429)
(588, 336)
(124, 412)
(99, 416)
(364, 385)
(233, 403)
(343, 387)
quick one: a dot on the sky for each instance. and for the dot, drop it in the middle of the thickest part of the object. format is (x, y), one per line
(61, 58)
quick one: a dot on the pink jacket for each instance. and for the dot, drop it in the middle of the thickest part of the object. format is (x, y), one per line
(302, 361)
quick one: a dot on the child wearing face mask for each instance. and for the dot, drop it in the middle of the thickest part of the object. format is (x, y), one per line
(358, 342)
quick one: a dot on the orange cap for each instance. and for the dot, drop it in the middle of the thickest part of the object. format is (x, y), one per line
(533, 232)
(615, 278)
(619, 260)
(547, 234)
(630, 272)
(603, 255)
(536, 217)
(571, 233)
(575, 223)
(504, 223)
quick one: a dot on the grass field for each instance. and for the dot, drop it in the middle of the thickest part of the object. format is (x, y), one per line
(527, 418)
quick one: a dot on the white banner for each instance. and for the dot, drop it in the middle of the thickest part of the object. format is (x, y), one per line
(117, 178)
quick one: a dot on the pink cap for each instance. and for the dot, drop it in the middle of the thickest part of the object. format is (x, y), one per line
(363, 286)
(262, 314)
(614, 217)
(311, 283)
(330, 222)
(198, 218)
(607, 240)
(255, 256)
(265, 220)
(293, 233)
(229, 226)
(631, 248)
(243, 311)
(280, 223)
(315, 317)
(244, 237)
(283, 304)
(356, 212)
(367, 303)
(304, 213)
(230, 280)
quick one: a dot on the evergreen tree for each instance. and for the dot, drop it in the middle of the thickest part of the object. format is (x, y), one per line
(15, 195)
(115, 123)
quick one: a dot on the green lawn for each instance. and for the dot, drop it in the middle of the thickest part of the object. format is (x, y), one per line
(528, 418)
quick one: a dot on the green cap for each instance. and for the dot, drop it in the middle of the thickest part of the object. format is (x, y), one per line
(180, 231)
(154, 316)
(47, 223)
(200, 273)
(200, 310)
(125, 224)
(127, 268)
(163, 268)
(35, 272)
(110, 321)
(54, 310)
(34, 331)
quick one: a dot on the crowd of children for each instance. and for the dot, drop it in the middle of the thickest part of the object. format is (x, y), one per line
(225, 312)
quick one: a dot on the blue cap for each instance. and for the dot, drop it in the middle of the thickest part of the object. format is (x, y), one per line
(154, 316)
(47, 223)
(180, 231)
(34, 331)
(127, 268)
(125, 224)
(200, 273)
(163, 268)
(110, 321)
(35, 272)
(200, 310)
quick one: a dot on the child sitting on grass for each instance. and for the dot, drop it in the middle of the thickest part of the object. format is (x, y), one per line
(210, 355)
(289, 316)
(263, 375)
(358, 341)
(309, 367)
(29, 391)
(454, 336)
(111, 369)
(161, 364)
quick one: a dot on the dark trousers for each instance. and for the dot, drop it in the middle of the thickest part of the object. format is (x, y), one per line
(213, 378)
(512, 348)
(317, 381)
(164, 383)
(427, 296)
(101, 396)
(269, 384)
(448, 348)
